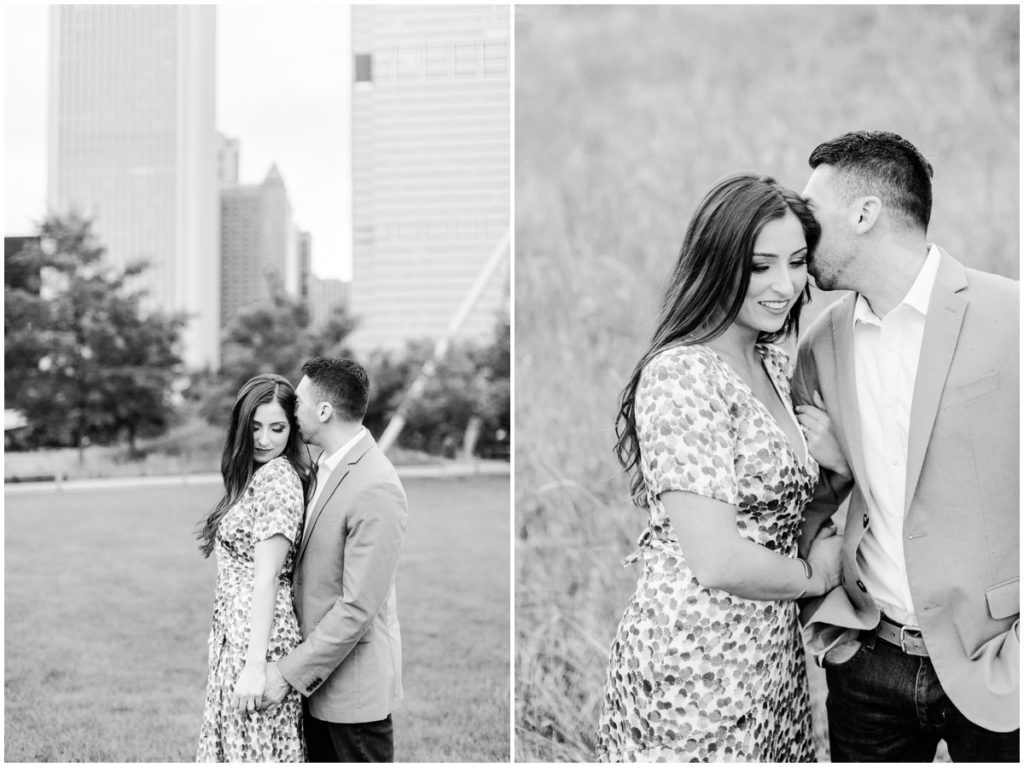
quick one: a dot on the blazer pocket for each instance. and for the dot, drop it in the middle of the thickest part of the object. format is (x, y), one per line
(1004, 599)
(971, 390)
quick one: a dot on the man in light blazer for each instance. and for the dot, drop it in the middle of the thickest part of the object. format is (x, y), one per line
(349, 665)
(918, 370)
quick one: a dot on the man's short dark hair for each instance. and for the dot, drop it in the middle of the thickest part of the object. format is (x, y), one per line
(881, 164)
(342, 382)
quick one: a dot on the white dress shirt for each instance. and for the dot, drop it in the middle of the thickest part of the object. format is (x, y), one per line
(886, 354)
(325, 465)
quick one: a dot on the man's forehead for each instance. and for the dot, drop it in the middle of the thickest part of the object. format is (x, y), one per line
(816, 183)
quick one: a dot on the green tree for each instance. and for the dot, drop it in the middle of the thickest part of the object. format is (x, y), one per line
(439, 417)
(470, 381)
(270, 337)
(274, 336)
(83, 361)
(331, 339)
(496, 362)
(391, 374)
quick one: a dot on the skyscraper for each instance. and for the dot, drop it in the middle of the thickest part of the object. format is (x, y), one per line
(132, 144)
(430, 168)
(305, 261)
(259, 243)
(326, 295)
(228, 151)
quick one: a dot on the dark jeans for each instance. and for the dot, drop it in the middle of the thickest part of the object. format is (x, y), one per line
(362, 742)
(887, 706)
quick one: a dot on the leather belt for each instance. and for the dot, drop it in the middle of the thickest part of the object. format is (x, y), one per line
(907, 638)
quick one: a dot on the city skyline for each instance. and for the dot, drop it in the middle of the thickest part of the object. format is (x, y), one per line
(301, 130)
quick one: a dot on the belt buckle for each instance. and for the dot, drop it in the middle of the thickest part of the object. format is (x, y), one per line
(903, 637)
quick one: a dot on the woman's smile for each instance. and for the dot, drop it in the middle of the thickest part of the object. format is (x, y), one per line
(777, 307)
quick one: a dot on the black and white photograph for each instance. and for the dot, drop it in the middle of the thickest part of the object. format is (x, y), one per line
(460, 382)
(257, 404)
(766, 383)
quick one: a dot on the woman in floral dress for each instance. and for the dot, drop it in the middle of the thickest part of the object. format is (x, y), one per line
(708, 663)
(255, 531)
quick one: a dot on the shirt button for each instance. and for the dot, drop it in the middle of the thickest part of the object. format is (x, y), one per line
(866, 521)
(862, 587)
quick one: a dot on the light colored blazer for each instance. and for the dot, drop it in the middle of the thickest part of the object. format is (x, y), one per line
(962, 517)
(349, 664)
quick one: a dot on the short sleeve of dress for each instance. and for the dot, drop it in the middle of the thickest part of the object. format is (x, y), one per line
(684, 425)
(277, 502)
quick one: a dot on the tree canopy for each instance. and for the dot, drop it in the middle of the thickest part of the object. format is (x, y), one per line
(270, 337)
(85, 362)
(470, 381)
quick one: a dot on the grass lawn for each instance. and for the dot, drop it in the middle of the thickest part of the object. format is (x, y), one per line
(107, 606)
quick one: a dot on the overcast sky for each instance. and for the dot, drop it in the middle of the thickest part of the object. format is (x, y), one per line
(283, 90)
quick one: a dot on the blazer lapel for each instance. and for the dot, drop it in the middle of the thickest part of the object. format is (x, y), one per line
(941, 331)
(849, 421)
(333, 481)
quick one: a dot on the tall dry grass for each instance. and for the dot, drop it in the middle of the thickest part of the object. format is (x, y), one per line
(625, 116)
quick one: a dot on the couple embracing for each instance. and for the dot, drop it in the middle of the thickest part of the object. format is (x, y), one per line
(906, 406)
(305, 652)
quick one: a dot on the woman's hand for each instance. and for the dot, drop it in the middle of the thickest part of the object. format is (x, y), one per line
(825, 559)
(821, 438)
(248, 692)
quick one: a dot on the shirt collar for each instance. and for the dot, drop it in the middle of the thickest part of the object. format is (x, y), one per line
(918, 297)
(332, 461)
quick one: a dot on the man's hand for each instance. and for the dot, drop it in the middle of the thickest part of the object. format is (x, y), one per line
(277, 687)
(821, 437)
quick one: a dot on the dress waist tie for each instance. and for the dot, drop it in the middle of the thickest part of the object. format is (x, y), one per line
(643, 543)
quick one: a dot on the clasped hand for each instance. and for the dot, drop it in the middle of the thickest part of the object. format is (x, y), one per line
(248, 692)
(826, 557)
(259, 686)
(821, 439)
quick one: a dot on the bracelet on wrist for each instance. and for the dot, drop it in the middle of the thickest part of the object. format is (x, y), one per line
(808, 570)
(808, 574)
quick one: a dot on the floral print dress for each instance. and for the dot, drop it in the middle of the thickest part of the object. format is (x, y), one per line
(271, 505)
(696, 673)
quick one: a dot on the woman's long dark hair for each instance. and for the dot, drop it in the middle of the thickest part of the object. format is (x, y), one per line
(709, 284)
(236, 462)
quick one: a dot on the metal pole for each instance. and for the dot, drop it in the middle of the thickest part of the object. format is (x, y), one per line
(397, 421)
